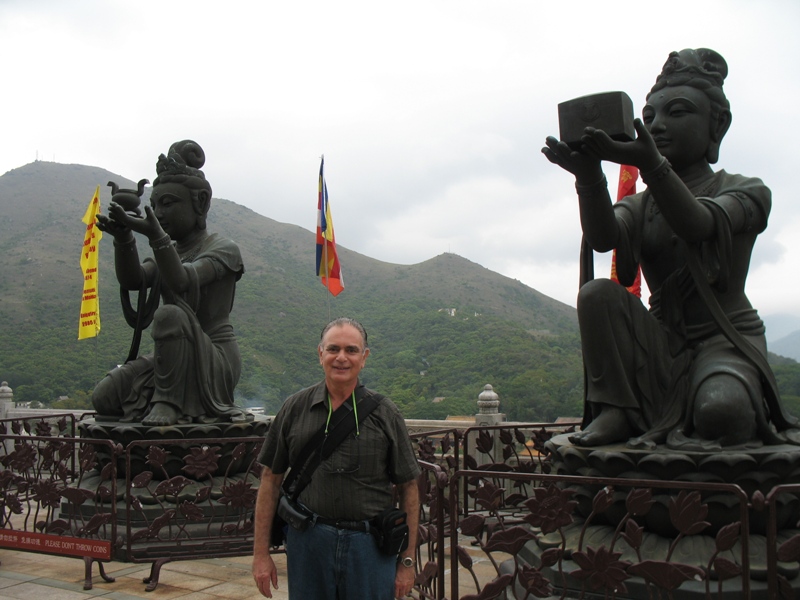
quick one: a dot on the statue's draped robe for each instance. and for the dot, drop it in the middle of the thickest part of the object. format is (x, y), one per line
(199, 360)
(651, 363)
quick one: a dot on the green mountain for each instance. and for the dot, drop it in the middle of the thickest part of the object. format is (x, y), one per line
(439, 329)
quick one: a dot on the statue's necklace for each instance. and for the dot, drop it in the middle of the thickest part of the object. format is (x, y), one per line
(191, 254)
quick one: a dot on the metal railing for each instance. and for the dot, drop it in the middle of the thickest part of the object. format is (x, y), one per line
(494, 519)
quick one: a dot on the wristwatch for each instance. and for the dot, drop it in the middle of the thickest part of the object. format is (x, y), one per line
(407, 561)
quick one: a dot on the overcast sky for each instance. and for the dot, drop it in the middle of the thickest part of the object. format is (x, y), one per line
(430, 113)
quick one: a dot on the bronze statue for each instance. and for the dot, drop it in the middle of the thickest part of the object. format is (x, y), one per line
(196, 364)
(691, 371)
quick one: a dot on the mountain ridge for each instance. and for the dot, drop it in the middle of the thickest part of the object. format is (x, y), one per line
(280, 304)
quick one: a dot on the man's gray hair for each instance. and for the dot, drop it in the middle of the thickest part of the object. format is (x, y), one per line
(340, 322)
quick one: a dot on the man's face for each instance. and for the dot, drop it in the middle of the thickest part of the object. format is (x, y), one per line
(342, 355)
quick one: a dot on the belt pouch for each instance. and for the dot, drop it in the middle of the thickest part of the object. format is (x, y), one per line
(391, 531)
(294, 514)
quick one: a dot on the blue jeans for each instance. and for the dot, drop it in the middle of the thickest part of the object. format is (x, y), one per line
(325, 563)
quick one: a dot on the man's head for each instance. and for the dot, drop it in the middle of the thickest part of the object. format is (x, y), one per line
(343, 351)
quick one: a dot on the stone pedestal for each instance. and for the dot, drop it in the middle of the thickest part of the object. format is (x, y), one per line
(643, 526)
(226, 435)
(190, 492)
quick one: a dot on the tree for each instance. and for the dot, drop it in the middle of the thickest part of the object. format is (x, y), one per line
(33, 392)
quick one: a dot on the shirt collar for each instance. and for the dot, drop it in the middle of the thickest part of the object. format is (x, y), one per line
(320, 395)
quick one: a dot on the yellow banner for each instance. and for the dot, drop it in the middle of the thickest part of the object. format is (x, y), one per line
(89, 324)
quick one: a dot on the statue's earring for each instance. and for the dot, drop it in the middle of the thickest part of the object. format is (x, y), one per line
(717, 133)
(201, 203)
(712, 154)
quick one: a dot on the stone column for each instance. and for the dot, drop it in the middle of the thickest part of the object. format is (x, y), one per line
(488, 403)
(6, 404)
(6, 400)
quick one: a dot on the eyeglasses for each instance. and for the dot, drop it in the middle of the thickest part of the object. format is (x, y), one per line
(349, 350)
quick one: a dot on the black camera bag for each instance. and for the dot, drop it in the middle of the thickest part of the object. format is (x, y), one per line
(391, 531)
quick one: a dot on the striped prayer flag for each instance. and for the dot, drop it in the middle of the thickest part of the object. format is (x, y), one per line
(328, 267)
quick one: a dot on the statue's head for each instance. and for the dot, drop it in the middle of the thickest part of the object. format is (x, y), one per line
(181, 167)
(704, 70)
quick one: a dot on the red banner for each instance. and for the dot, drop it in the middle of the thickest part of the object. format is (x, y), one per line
(54, 544)
(627, 187)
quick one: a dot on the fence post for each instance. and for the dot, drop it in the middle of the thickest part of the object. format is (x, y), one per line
(488, 414)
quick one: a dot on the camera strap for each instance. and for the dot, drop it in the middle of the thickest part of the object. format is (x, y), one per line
(322, 444)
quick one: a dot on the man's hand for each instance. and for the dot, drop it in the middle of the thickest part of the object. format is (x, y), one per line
(265, 574)
(403, 581)
(409, 503)
(264, 571)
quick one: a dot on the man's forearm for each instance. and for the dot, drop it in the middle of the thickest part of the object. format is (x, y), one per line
(409, 503)
(266, 504)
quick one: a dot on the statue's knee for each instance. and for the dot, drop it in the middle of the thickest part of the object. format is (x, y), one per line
(169, 321)
(597, 295)
(723, 410)
(104, 398)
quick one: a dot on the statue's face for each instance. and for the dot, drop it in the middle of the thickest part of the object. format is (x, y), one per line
(172, 205)
(679, 119)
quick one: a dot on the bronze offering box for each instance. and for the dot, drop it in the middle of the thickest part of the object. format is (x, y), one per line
(610, 111)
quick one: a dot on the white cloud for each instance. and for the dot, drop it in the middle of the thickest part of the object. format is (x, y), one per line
(430, 114)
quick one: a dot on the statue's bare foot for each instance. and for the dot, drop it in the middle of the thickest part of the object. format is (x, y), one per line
(161, 413)
(609, 427)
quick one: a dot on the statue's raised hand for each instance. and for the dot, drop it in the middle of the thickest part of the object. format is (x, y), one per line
(147, 226)
(641, 152)
(113, 227)
(583, 164)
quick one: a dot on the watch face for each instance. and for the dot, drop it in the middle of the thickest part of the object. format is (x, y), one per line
(408, 561)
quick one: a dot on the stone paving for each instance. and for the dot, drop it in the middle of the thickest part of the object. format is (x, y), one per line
(43, 577)
(32, 576)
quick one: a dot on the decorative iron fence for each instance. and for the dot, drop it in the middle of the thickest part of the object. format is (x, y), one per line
(496, 521)
(516, 530)
(169, 516)
(49, 503)
(157, 500)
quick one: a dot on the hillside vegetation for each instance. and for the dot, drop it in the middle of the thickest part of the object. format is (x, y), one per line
(440, 329)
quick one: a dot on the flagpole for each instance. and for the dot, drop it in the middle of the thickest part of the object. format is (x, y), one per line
(325, 261)
(325, 235)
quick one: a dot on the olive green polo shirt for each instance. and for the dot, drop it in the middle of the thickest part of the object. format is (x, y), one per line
(355, 482)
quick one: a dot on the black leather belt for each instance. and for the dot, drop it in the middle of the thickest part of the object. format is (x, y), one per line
(342, 524)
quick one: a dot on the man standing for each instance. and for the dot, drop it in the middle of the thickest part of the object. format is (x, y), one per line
(337, 557)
